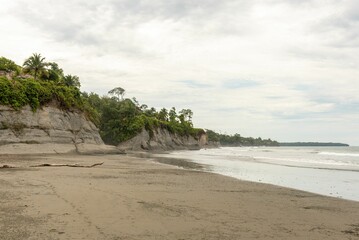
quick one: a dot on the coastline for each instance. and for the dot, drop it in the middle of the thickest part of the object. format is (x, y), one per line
(334, 177)
(133, 198)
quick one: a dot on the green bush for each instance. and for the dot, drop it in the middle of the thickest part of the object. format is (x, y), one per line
(6, 91)
(18, 97)
(12, 93)
(68, 97)
(20, 92)
(8, 66)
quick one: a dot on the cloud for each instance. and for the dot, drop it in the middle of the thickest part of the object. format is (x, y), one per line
(120, 25)
(233, 84)
(195, 84)
(340, 25)
(240, 65)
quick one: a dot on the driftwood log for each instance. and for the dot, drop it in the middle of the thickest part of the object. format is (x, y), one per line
(6, 166)
(66, 165)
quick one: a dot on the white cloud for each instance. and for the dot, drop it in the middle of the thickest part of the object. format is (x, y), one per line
(301, 55)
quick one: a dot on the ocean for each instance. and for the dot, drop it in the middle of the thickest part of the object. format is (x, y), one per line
(330, 171)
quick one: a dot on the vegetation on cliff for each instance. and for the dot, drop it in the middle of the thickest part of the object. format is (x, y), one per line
(38, 83)
(121, 119)
(19, 88)
(18, 93)
(8, 66)
(238, 140)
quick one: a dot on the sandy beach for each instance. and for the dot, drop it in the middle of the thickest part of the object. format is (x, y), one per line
(135, 198)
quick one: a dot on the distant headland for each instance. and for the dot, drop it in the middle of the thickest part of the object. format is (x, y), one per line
(312, 144)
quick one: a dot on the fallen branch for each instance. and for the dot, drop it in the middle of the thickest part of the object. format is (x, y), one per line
(67, 165)
(6, 166)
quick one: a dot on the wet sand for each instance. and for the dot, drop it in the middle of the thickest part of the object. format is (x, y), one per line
(134, 198)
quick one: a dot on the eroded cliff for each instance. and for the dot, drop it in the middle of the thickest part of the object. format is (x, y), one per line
(47, 130)
(161, 139)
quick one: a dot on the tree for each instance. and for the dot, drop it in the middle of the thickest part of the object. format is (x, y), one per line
(186, 115)
(54, 72)
(172, 115)
(135, 102)
(144, 107)
(150, 112)
(35, 64)
(118, 92)
(163, 114)
(72, 80)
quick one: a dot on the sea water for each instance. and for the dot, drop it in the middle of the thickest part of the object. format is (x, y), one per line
(331, 171)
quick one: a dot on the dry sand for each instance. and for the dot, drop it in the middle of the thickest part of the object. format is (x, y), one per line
(133, 198)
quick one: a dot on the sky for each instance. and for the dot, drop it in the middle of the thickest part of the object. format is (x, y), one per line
(281, 69)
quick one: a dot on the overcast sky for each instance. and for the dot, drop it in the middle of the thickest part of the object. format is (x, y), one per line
(281, 69)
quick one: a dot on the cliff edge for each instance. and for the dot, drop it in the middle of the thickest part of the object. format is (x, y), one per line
(48, 130)
(161, 139)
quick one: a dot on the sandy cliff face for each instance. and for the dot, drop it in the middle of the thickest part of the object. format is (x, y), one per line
(47, 125)
(162, 139)
(25, 130)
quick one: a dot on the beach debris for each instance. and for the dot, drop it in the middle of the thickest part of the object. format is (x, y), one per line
(6, 166)
(353, 231)
(67, 165)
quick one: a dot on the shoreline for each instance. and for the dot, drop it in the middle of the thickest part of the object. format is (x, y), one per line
(131, 198)
(332, 181)
(186, 164)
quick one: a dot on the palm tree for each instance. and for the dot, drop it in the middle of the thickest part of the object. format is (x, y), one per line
(72, 80)
(55, 73)
(35, 64)
(163, 114)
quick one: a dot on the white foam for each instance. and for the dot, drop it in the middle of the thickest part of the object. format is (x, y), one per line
(339, 154)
